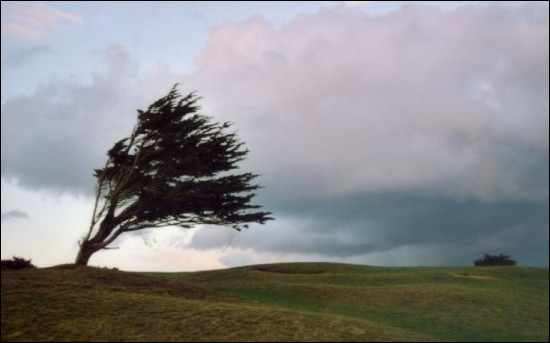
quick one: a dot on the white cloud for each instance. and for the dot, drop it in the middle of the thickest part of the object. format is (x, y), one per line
(134, 255)
(54, 138)
(418, 98)
(34, 20)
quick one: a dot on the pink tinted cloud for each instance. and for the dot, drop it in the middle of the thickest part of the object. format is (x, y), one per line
(420, 98)
(35, 20)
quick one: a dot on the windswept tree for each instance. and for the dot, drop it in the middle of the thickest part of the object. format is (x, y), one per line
(175, 169)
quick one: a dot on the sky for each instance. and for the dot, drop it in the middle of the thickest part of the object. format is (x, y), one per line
(385, 133)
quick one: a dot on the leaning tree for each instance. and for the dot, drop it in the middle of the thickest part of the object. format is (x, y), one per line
(176, 169)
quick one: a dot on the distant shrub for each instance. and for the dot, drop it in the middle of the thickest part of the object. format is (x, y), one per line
(16, 263)
(495, 260)
(114, 268)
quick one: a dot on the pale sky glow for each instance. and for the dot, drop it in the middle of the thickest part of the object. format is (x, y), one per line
(385, 133)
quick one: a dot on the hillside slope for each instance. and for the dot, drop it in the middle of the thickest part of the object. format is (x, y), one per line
(465, 304)
(282, 302)
(91, 304)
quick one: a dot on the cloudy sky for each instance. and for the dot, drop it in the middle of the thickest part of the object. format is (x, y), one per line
(385, 133)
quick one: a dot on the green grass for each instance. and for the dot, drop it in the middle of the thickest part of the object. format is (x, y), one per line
(279, 302)
(464, 304)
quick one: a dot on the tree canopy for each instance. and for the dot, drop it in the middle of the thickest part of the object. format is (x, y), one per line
(495, 260)
(174, 169)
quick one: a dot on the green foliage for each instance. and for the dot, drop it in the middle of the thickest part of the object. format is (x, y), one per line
(175, 169)
(495, 260)
(16, 263)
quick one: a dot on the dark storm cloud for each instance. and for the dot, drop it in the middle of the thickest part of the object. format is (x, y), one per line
(418, 131)
(14, 215)
(361, 224)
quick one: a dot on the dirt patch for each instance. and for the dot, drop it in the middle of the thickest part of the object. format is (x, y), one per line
(275, 270)
(477, 277)
(267, 270)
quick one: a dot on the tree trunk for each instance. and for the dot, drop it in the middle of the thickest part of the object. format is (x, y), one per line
(84, 253)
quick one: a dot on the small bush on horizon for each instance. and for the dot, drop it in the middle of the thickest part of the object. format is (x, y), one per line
(16, 263)
(495, 260)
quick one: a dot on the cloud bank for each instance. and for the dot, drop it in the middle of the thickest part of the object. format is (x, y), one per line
(420, 130)
(53, 139)
(421, 134)
(419, 99)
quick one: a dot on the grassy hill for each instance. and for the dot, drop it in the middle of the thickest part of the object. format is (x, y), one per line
(278, 302)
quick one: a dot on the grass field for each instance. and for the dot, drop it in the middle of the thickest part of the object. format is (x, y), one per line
(279, 302)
